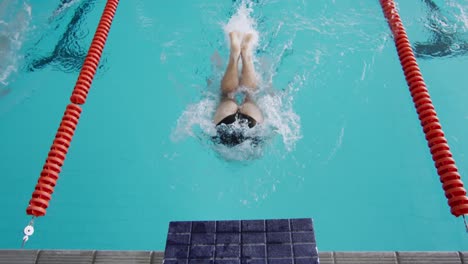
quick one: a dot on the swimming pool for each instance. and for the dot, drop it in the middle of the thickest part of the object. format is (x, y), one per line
(356, 162)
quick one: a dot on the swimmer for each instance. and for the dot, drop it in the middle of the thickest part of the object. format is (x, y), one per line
(229, 112)
(62, 56)
(441, 43)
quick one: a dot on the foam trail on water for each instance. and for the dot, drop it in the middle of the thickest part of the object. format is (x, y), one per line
(279, 118)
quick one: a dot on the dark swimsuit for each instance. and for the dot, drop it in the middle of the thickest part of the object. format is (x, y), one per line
(229, 136)
(238, 116)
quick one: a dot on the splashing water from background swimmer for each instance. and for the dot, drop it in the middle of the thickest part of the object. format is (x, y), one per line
(14, 21)
(197, 120)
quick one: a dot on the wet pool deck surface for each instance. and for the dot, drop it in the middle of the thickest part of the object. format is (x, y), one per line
(156, 257)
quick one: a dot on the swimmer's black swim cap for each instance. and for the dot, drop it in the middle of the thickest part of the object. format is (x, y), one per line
(231, 136)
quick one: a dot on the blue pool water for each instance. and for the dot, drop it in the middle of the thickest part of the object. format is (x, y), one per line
(344, 143)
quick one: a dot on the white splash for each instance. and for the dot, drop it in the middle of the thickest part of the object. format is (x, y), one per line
(14, 22)
(243, 22)
(460, 13)
(62, 9)
(279, 118)
(196, 115)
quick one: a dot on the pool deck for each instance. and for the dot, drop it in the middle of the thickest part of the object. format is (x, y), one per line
(156, 257)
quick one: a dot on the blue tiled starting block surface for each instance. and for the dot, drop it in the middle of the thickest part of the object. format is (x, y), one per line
(278, 241)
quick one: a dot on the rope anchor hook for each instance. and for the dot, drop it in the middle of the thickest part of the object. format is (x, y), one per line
(28, 231)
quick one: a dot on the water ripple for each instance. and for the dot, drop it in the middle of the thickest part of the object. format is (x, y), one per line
(71, 41)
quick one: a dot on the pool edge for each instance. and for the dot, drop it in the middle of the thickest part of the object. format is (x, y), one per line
(156, 257)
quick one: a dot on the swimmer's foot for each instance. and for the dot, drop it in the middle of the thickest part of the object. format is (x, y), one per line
(235, 38)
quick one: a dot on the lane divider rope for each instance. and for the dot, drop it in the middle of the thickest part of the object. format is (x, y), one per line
(439, 148)
(58, 151)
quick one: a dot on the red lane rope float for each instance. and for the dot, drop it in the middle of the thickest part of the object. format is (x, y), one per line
(94, 54)
(53, 165)
(445, 164)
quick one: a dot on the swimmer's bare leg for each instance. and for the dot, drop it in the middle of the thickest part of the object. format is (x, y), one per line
(249, 80)
(230, 81)
(248, 77)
